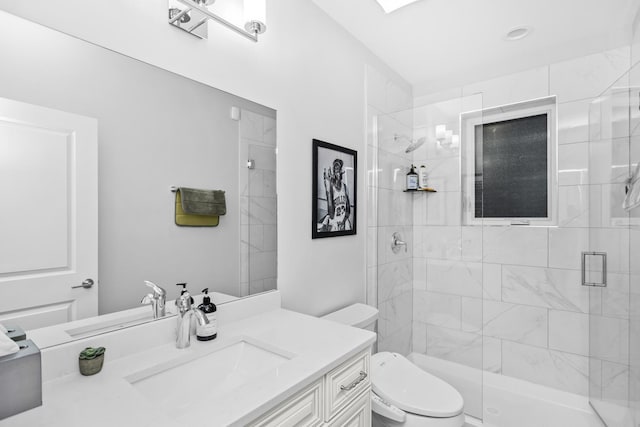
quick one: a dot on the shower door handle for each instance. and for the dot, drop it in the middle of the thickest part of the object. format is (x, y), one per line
(603, 256)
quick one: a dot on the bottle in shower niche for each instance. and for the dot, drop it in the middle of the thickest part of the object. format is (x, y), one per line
(412, 179)
(422, 177)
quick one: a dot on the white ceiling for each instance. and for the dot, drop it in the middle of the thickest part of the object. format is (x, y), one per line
(439, 44)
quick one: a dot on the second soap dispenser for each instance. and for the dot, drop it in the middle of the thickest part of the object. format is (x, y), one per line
(209, 331)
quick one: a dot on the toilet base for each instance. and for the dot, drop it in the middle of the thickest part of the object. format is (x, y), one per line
(417, 421)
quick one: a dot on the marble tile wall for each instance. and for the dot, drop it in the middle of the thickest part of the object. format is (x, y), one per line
(389, 275)
(258, 231)
(509, 299)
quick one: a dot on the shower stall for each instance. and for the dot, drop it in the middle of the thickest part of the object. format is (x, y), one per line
(520, 281)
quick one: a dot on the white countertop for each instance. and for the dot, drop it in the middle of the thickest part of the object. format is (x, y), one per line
(108, 399)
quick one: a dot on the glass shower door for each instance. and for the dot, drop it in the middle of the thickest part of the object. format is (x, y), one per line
(606, 255)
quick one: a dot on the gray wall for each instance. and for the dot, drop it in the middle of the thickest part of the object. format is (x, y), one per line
(156, 129)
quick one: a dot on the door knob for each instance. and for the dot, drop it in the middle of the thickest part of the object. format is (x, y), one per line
(87, 283)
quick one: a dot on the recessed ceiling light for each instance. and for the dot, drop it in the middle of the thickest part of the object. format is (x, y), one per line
(518, 33)
(390, 5)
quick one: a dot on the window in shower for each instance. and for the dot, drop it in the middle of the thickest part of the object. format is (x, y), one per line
(509, 164)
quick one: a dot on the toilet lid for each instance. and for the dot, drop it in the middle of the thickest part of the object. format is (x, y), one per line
(403, 384)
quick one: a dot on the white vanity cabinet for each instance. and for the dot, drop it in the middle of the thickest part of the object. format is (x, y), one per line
(340, 398)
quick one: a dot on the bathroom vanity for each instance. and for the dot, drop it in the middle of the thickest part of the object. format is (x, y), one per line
(268, 367)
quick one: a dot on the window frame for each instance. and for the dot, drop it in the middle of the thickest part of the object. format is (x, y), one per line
(468, 122)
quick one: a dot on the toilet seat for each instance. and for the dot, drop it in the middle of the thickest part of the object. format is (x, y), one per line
(403, 384)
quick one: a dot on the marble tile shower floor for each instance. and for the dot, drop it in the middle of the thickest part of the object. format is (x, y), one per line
(509, 402)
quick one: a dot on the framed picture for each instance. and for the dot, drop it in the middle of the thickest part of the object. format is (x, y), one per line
(334, 190)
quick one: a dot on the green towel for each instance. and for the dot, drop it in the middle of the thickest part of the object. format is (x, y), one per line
(185, 220)
(203, 202)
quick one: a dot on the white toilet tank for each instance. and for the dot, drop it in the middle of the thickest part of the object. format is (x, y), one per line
(358, 315)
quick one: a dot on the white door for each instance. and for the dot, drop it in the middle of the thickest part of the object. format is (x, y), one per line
(48, 215)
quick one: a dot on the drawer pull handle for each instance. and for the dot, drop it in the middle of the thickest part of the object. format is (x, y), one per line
(355, 382)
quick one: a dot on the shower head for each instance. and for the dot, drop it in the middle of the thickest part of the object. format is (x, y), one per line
(413, 144)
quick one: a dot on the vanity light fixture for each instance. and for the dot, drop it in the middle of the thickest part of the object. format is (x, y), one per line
(192, 15)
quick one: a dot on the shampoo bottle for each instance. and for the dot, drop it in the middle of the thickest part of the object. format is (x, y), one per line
(209, 331)
(422, 177)
(412, 179)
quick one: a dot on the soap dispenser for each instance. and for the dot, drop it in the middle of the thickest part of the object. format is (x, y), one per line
(208, 331)
(184, 302)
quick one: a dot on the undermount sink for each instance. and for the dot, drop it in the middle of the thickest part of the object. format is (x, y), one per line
(184, 381)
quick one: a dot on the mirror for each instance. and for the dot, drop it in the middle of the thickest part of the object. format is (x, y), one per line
(155, 129)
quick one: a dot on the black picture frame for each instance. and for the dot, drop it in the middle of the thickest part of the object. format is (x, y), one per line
(337, 217)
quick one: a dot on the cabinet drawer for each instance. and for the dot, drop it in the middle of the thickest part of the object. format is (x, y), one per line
(357, 414)
(345, 383)
(303, 409)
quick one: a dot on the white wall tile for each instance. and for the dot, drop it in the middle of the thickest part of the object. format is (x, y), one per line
(442, 208)
(609, 339)
(392, 171)
(544, 287)
(566, 246)
(420, 210)
(573, 121)
(609, 161)
(615, 297)
(394, 208)
(514, 322)
(444, 174)
(471, 243)
(587, 76)
(564, 371)
(573, 164)
(419, 274)
(394, 279)
(437, 309)
(615, 383)
(492, 355)
(615, 242)
(438, 242)
(471, 315)
(454, 277)
(395, 314)
(504, 245)
(573, 206)
(512, 88)
(492, 281)
(419, 338)
(569, 332)
(398, 341)
(455, 346)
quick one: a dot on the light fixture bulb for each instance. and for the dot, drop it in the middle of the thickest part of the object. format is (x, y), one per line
(255, 16)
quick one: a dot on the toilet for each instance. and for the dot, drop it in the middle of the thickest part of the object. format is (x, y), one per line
(403, 394)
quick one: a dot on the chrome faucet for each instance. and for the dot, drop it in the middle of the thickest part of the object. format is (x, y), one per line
(157, 299)
(186, 313)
